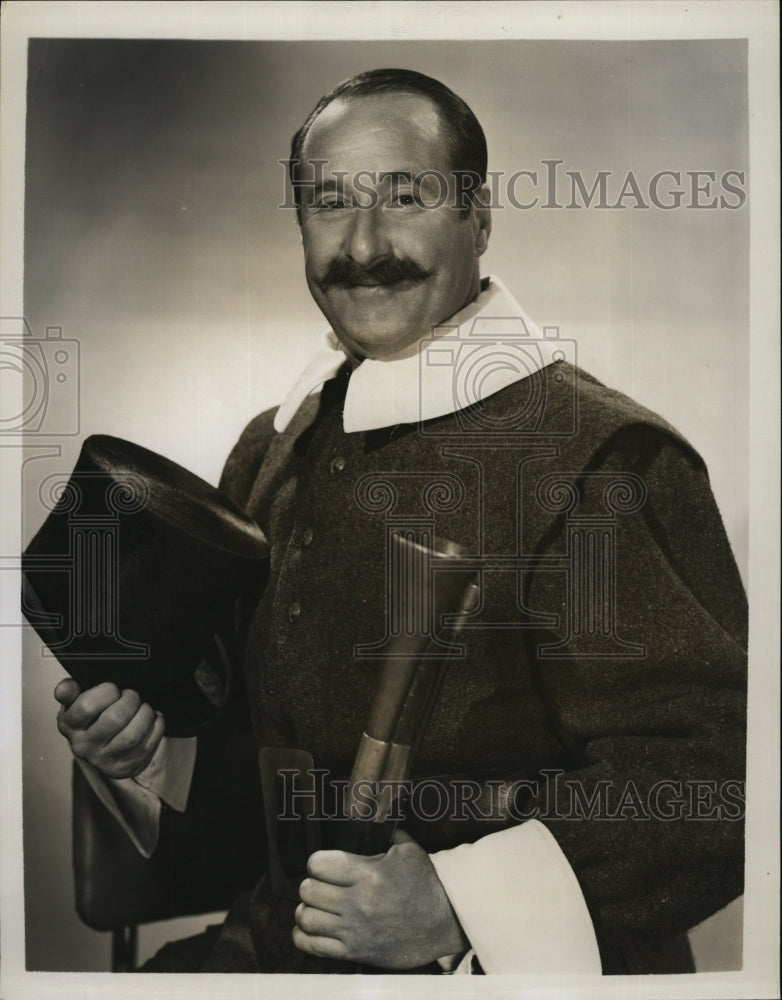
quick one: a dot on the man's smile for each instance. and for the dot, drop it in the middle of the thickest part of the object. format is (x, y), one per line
(403, 285)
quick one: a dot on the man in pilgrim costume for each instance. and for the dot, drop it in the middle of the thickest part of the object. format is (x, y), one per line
(604, 671)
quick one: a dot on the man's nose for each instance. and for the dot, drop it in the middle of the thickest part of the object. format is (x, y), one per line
(367, 240)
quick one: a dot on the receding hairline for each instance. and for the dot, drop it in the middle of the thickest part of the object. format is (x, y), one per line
(348, 99)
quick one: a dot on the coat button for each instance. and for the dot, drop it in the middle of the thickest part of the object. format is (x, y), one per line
(306, 537)
(336, 465)
(294, 610)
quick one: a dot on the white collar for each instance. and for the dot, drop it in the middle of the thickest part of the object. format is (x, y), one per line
(488, 345)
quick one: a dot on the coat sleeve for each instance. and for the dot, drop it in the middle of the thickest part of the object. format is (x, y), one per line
(649, 813)
(245, 458)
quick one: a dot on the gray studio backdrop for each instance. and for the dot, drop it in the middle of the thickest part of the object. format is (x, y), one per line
(153, 239)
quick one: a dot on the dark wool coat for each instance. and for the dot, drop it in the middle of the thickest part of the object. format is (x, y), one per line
(611, 653)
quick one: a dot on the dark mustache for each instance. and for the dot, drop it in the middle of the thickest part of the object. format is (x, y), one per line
(346, 272)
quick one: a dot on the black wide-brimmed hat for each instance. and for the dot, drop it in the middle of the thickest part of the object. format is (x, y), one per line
(135, 574)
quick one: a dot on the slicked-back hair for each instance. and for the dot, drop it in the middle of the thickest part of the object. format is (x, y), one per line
(465, 136)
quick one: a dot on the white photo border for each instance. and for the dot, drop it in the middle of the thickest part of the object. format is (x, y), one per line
(756, 21)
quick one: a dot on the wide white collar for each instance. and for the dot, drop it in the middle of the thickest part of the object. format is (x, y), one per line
(488, 345)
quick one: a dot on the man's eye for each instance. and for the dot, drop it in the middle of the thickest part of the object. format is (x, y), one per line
(402, 199)
(331, 204)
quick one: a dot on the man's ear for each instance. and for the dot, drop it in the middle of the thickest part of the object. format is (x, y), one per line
(481, 215)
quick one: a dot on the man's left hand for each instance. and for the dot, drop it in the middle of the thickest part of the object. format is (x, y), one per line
(388, 910)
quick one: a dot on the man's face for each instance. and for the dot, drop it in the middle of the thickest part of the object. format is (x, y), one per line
(384, 265)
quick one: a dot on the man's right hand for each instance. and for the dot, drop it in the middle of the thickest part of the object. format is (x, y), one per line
(111, 729)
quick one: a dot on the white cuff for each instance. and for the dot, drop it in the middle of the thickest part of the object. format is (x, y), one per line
(136, 809)
(519, 903)
(135, 802)
(170, 771)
